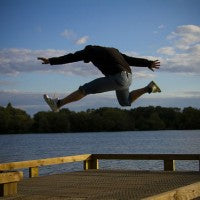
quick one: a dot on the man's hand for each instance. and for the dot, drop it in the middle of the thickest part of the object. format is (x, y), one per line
(155, 65)
(44, 60)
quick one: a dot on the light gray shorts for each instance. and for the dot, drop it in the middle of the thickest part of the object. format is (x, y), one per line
(119, 82)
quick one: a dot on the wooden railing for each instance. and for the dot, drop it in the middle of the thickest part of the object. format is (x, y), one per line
(91, 161)
(9, 178)
(34, 165)
(169, 159)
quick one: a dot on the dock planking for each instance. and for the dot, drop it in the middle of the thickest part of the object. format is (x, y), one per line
(105, 184)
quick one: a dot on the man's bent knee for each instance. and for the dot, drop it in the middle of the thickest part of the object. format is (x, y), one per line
(82, 91)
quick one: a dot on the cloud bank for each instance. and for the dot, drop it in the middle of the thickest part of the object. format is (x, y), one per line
(14, 61)
(182, 56)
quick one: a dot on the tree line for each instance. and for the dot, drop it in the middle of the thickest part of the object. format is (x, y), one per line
(13, 120)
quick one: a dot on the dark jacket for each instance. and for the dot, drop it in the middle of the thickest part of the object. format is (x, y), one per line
(108, 60)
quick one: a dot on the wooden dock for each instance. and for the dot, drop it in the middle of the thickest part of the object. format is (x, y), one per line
(94, 183)
(107, 184)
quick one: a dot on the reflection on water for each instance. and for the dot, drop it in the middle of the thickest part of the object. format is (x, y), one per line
(35, 146)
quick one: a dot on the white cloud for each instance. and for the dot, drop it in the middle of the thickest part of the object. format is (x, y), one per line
(183, 56)
(185, 35)
(69, 34)
(161, 26)
(82, 40)
(72, 36)
(15, 61)
(166, 51)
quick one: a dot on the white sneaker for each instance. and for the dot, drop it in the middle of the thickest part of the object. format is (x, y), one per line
(52, 103)
(153, 87)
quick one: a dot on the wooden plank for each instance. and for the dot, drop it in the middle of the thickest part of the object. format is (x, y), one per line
(191, 191)
(43, 162)
(147, 156)
(8, 177)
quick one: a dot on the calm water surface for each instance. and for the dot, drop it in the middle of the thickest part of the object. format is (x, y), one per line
(35, 146)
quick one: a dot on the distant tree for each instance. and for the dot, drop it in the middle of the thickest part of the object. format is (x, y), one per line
(170, 116)
(191, 118)
(14, 120)
(79, 122)
(50, 122)
(155, 123)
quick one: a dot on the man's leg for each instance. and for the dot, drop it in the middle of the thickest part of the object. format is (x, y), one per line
(125, 98)
(135, 94)
(152, 87)
(78, 94)
(98, 85)
(75, 96)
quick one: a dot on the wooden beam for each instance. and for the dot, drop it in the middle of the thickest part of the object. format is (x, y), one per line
(43, 162)
(8, 177)
(146, 156)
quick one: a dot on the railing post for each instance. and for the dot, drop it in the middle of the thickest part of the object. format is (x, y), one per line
(33, 172)
(169, 165)
(8, 189)
(8, 183)
(91, 164)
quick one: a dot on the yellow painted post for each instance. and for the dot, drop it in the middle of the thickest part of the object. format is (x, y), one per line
(91, 164)
(33, 172)
(7, 189)
(169, 165)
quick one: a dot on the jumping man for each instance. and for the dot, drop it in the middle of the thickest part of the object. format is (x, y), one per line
(117, 75)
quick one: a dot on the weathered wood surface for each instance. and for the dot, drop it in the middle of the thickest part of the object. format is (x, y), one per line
(106, 184)
(43, 162)
(191, 191)
(8, 177)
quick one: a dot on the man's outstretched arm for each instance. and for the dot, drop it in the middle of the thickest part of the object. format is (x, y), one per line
(142, 62)
(69, 58)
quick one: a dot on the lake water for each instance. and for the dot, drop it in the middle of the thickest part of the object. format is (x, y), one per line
(19, 147)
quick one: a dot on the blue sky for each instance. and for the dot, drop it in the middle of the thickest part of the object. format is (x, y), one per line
(168, 30)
